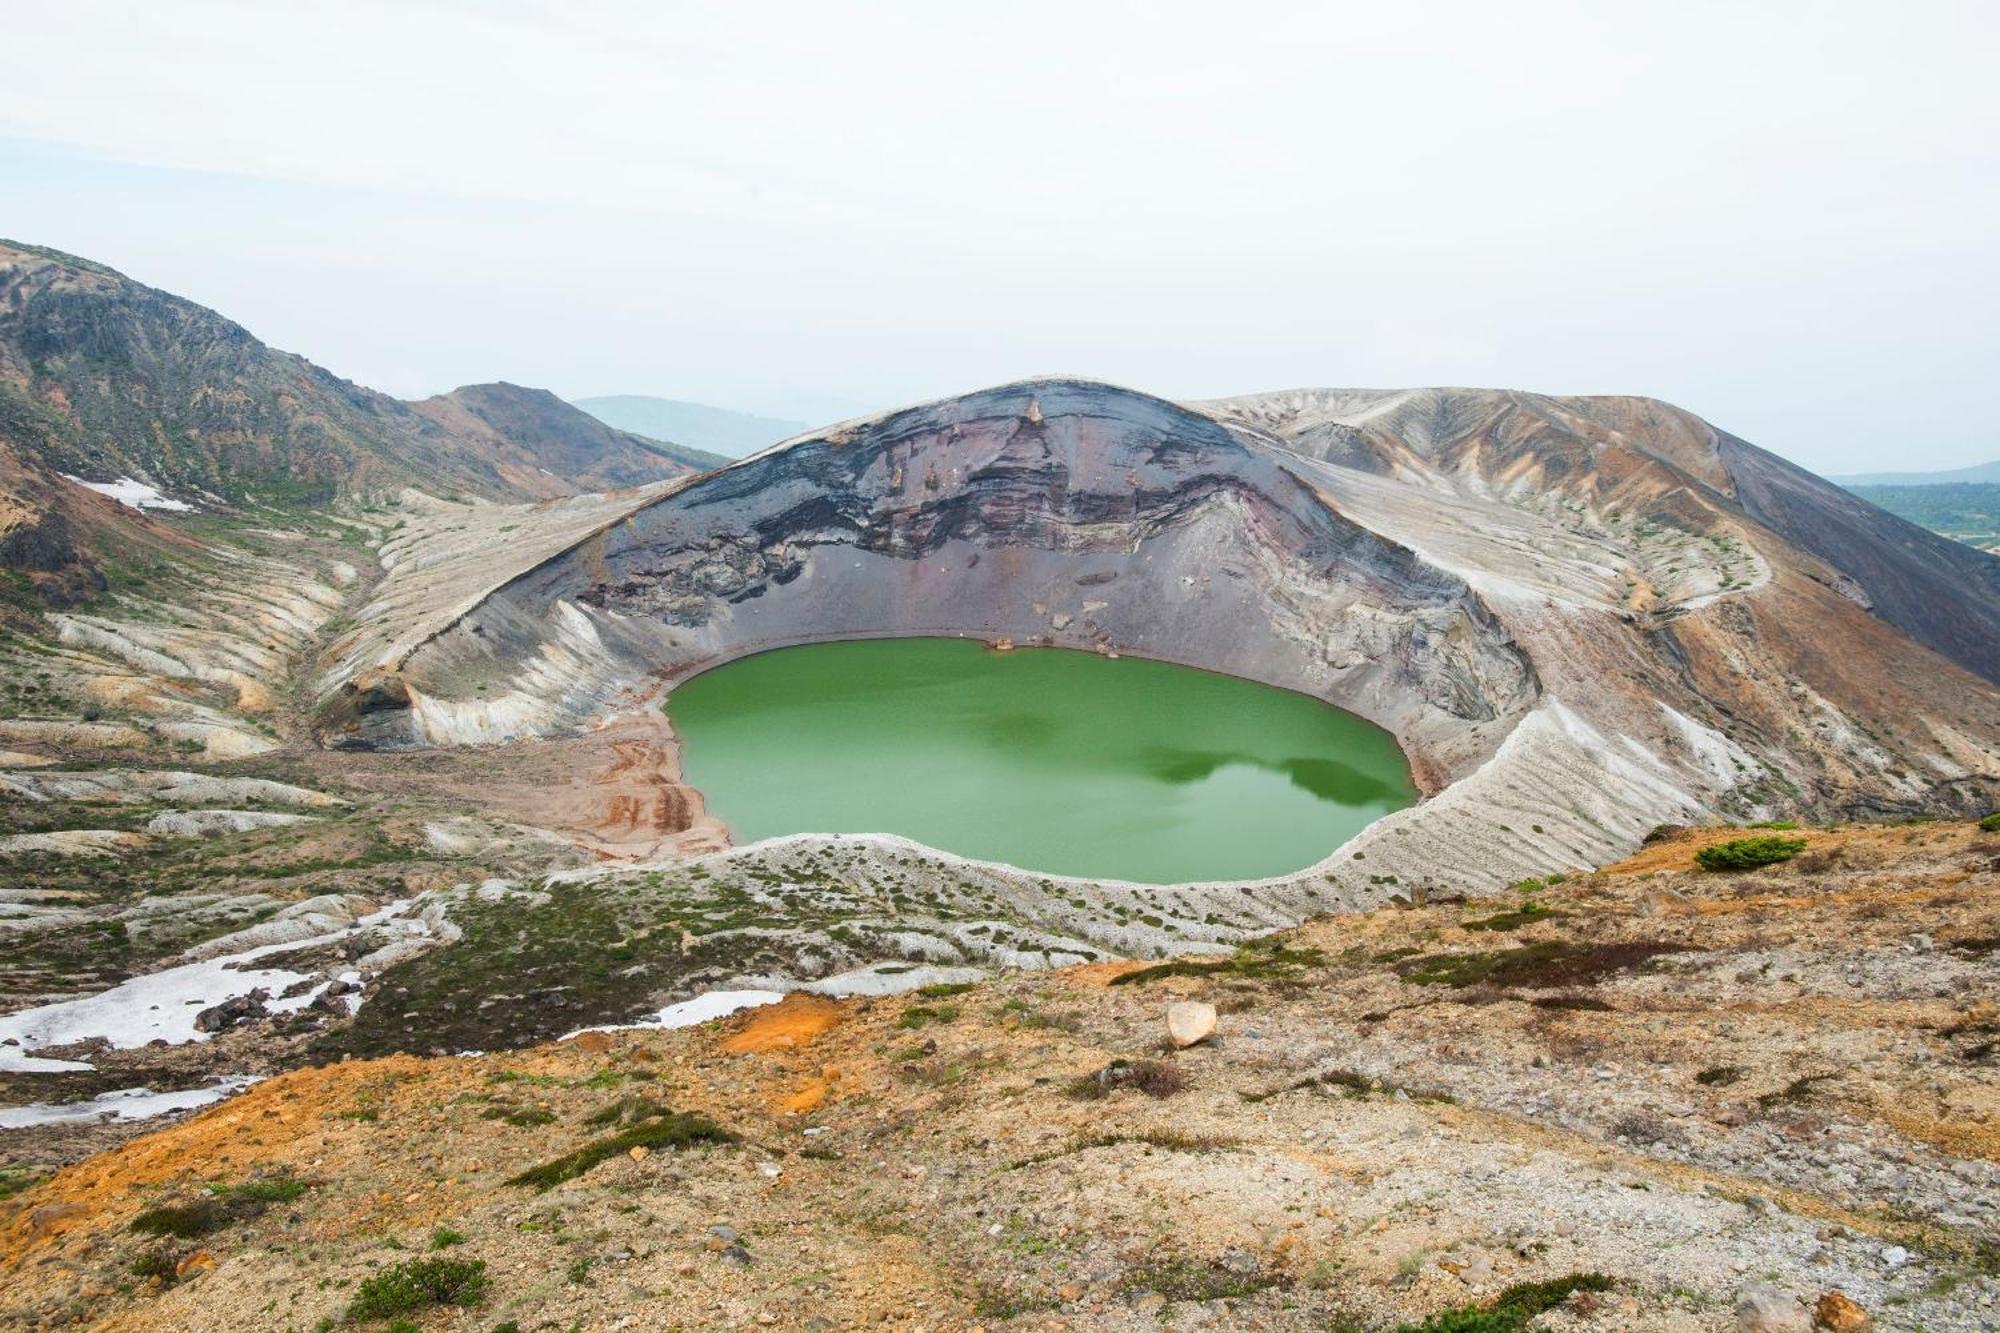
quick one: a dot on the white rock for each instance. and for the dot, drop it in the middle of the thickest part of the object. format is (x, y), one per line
(1189, 1021)
(1761, 1309)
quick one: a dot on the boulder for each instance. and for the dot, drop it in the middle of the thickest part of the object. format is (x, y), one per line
(240, 1009)
(1761, 1309)
(1837, 1312)
(1189, 1021)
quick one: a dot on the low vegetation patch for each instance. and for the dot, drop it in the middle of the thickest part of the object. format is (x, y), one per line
(626, 1111)
(419, 1284)
(1513, 1309)
(220, 1207)
(155, 1266)
(1749, 853)
(671, 1129)
(1265, 960)
(923, 1015)
(1348, 1083)
(1798, 1090)
(1525, 915)
(1188, 1280)
(1990, 824)
(1543, 966)
(15, 1179)
(1155, 1078)
(1167, 1140)
(522, 1117)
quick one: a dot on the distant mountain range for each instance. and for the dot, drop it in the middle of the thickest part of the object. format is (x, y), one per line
(1966, 511)
(105, 379)
(696, 425)
(1978, 472)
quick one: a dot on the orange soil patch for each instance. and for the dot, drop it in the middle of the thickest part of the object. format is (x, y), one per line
(1677, 852)
(793, 1021)
(1101, 974)
(1912, 898)
(265, 1124)
(1959, 1137)
(809, 1097)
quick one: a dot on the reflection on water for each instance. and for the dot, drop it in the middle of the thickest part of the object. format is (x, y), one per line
(1056, 761)
(1328, 779)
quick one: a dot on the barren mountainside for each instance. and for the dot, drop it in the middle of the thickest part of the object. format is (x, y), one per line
(105, 378)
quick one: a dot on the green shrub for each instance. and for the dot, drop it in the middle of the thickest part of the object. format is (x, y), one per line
(923, 1015)
(443, 1238)
(1749, 853)
(522, 1117)
(1990, 824)
(268, 1190)
(673, 1129)
(419, 1285)
(1189, 1280)
(155, 1264)
(1513, 1309)
(183, 1221)
(223, 1205)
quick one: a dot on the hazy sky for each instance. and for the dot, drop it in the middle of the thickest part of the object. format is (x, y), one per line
(1785, 217)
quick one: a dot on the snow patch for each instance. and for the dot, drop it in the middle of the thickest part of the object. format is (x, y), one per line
(133, 494)
(701, 1009)
(162, 1006)
(123, 1104)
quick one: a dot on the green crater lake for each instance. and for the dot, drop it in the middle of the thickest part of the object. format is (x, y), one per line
(1064, 762)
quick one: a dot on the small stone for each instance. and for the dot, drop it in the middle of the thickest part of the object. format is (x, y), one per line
(637, 1152)
(1894, 1257)
(1837, 1312)
(1761, 1309)
(1189, 1021)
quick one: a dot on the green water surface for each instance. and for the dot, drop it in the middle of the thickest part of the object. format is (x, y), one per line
(1057, 761)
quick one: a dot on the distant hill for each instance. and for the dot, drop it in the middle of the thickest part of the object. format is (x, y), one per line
(527, 431)
(1966, 511)
(717, 429)
(105, 379)
(1978, 473)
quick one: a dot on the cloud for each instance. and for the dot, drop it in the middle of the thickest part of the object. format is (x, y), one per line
(889, 200)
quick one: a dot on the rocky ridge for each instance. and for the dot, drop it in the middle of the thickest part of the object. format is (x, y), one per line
(1555, 605)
